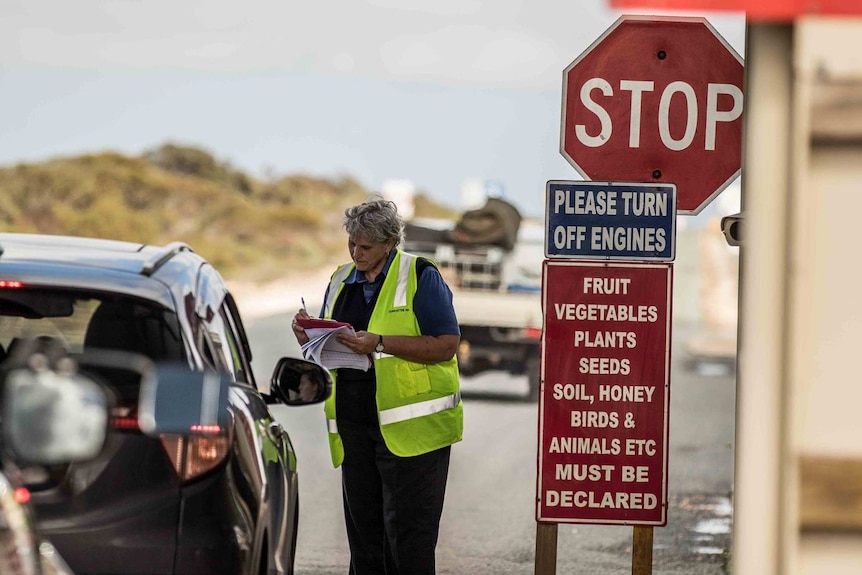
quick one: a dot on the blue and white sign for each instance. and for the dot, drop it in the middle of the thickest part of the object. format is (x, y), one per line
(610, 220)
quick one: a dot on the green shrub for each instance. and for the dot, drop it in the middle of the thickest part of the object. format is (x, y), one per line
(246, 227)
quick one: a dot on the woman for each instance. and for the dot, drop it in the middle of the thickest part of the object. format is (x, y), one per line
(391, 427)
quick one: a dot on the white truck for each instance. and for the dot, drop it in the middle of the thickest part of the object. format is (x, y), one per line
(493, 263)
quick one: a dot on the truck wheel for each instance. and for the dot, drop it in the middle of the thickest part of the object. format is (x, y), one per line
(533, 379)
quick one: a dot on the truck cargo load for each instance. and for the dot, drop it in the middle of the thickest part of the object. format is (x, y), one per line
(492, 260)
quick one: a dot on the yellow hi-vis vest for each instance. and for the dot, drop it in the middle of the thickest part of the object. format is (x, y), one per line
(418, 405)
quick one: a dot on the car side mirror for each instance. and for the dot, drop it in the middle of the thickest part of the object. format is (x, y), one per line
(177, 399)
(53, 415)
(300, 382)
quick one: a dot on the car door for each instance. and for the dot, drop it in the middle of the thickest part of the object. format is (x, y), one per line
(266, 459)
(276, 449)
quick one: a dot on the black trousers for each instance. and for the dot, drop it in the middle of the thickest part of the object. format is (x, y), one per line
(392, 505)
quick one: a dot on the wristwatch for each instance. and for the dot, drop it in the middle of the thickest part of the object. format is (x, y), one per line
(379, 348)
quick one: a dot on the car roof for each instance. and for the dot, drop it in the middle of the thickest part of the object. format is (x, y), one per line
(109, 254)
(106, 265)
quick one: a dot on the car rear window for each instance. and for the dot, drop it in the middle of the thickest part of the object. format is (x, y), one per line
(84, 322)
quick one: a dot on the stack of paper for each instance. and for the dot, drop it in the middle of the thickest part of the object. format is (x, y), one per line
(324, 348)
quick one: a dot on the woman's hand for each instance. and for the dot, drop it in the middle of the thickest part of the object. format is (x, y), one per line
(364, 342)
(299, 331)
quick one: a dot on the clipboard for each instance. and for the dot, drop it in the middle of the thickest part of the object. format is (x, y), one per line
(316, 323)
(323, 347)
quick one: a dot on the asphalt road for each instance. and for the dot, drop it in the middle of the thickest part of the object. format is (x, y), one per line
(488, 525)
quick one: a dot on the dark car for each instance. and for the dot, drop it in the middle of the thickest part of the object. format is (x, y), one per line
(181, 504)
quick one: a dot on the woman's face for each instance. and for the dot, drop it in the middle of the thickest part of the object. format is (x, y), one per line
(369, 256)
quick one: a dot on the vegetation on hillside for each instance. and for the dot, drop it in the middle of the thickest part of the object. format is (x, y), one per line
(247, 227)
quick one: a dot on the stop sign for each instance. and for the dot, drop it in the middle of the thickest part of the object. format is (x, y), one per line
(656, 99)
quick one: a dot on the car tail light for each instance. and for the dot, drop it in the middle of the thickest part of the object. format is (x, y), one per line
(195, 455)
(125, 423)
(12, 284)
(22, 495)
(533, 333)
(124, 418)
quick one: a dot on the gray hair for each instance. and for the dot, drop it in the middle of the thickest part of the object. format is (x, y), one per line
(377, 220)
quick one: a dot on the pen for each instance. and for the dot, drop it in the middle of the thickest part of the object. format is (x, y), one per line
(303, 304)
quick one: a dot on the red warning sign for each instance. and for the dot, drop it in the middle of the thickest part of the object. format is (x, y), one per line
(603, 409)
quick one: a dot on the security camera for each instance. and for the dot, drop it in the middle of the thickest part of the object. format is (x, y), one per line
(731, 227)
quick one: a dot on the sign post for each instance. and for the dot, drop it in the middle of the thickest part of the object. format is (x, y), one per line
(653, 111)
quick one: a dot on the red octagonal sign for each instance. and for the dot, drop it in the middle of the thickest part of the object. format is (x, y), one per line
(656, 99)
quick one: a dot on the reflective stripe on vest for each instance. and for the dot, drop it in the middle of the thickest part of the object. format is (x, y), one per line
(421, 409)
(400, 299)
(405, 412)
(337, 279)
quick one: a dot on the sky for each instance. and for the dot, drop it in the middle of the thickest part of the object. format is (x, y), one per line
(442, 94)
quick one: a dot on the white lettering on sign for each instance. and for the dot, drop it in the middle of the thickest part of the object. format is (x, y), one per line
(585, 202)
(628, 239)
(605, 312)
(637, 88)
(605, 339)
(610, 239)
(604, 366)
(664, 116)
(582, 472)
(633, 393)
(585, 445)
(609, 500)
(595, 419)
(635, 474)
(604, 118)
(714, 115)
(572, 392)
(565, 236)
(640, 447)
(589, 202)
(607, 286)
(644, 204)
